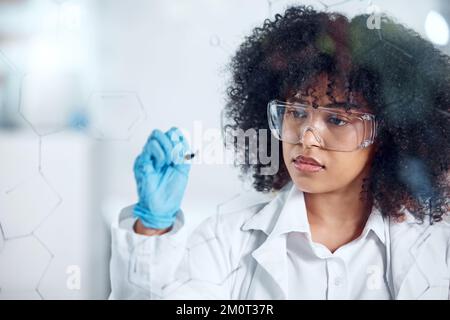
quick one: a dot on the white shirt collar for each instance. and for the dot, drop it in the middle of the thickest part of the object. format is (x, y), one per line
(293, 217)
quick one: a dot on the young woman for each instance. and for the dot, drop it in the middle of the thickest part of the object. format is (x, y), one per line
(362, 191)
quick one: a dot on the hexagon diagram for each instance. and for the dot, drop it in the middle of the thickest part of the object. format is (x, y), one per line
(113, 115)
(24, 207)
(23, 262)
(20, 157)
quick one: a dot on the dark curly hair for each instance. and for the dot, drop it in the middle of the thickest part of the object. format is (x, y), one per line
(404, 79)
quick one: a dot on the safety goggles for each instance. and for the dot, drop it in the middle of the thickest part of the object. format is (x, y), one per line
(334, 128)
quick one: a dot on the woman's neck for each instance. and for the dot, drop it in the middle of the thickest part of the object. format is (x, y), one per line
(337, 217)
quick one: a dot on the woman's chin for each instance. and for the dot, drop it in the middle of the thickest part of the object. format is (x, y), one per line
(308, 187)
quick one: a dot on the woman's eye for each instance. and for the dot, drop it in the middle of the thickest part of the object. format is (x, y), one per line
(336, 120)
(295, 113)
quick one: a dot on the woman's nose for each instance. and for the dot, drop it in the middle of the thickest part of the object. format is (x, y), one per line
(310, 138)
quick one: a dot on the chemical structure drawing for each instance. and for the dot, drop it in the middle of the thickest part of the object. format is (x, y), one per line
(27, 196)
(31, 213)
(31, 260)
(216, 42)
(114, 115)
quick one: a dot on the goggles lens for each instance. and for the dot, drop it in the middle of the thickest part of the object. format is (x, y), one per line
(333, 128)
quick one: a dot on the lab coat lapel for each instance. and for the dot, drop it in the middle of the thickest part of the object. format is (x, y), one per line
(272, 258)
(407, 261)
(271, 255)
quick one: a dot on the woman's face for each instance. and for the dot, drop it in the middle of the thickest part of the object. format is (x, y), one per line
(343, 171)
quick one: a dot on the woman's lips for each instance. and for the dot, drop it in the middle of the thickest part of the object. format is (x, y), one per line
(307, 166)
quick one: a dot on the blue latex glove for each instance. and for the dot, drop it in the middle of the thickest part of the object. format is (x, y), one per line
(161, 176)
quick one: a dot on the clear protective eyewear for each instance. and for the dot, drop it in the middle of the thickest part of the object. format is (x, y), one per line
(334, 128)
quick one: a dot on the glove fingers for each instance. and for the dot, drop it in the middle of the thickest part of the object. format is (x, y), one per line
(158, 147)
(180, 145)
(164, 142)
(174, 134)
(157, 154)
(166, 148)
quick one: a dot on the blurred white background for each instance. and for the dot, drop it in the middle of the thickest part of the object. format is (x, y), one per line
(82, 84)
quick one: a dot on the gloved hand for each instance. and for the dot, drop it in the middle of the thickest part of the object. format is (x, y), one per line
(161, 176)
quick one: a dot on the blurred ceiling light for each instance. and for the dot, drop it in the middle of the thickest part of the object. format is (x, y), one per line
(436, 28)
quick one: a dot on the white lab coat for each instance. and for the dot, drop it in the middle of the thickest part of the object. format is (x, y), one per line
(242, 255)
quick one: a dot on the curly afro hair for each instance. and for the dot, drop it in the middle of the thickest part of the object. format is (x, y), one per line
(404, 79)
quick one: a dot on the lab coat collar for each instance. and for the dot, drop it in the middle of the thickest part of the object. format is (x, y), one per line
(266, 219)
